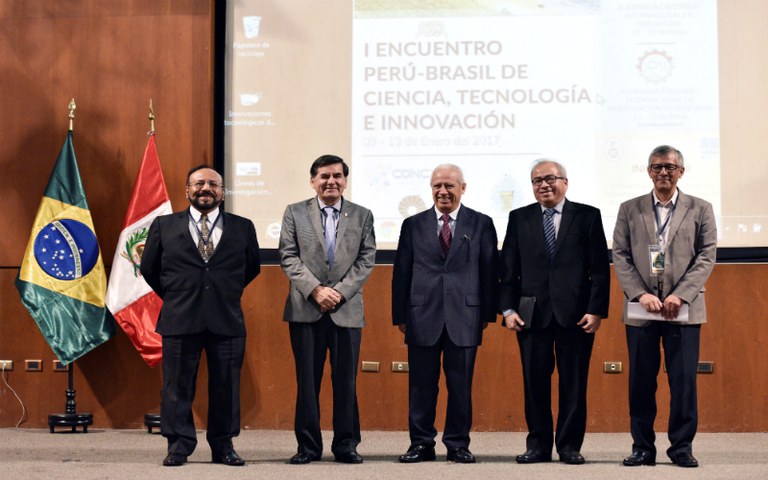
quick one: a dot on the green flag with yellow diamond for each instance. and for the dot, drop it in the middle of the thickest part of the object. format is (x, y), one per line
(62, 281)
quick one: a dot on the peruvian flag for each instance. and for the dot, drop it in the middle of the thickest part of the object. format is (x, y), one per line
(132, 302)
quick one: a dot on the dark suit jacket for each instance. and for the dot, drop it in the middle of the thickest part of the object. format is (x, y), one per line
(576, 282)
(431, 292)
(199, 296)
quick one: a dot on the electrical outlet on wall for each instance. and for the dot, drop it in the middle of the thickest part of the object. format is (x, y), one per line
(6, 365)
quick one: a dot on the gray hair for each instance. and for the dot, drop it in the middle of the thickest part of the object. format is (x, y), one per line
(663, 151)
(560, 168)
(452, 167)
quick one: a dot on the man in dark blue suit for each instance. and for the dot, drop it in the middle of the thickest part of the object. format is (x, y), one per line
(444, 293)
(554, 291)
(199, 261)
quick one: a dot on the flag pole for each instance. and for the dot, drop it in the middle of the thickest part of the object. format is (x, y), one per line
(152, 420)
(72, 108)
(151, 118)
(70, 417)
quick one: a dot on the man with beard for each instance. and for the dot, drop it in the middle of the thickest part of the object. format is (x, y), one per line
(444, 287)
(199, 261)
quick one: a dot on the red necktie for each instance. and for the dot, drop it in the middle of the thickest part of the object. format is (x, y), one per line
(445, 234)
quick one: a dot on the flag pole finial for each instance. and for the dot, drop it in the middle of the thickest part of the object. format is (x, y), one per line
(72, 107)
(151, 118)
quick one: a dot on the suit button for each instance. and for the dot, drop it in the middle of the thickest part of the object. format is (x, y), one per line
(207, 269)
(207, 288)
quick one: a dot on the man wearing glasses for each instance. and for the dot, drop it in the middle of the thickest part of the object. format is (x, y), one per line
(554, 291)
(199, 261)
(664, 249)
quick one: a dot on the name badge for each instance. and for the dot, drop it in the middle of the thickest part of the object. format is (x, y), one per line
(656, 257)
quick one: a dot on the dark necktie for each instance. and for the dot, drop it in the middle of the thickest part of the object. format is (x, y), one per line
(445, 234)
(205, 243)
(549, 231)
(330, 233)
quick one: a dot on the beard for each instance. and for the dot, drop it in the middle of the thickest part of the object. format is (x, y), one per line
(205, 202)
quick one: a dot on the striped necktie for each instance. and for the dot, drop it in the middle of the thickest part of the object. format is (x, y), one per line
(445, 234)
(549, 231)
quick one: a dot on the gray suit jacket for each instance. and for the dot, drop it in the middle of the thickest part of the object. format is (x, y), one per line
(690, 254)
(305, 262)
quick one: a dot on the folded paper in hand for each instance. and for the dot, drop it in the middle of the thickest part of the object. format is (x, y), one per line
(635, 311)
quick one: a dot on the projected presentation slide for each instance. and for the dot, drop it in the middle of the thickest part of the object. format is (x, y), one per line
(398, 87)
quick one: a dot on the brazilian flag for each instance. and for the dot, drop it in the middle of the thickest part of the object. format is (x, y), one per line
(62, 281)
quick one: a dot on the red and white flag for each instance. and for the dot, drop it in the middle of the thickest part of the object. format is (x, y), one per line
(130, 299)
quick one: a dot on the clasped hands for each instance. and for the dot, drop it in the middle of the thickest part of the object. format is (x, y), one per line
(327, 298)
(589, 323)
(669, 308)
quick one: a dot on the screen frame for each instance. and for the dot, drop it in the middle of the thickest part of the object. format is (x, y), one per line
(270, 256)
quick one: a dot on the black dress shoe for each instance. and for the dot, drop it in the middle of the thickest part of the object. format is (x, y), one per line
(572, 457)
(460, 455)
(684, 459)
(302, 458)
(174, 460)
(640, 458)
(418, 453)
(230, 458)
(533, 456)
(348, 457)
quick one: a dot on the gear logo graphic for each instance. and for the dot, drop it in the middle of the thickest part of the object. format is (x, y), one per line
(655, 66)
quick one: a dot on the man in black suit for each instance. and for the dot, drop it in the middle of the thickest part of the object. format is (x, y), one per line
(199, 261)
(554, 291)
(444, 293)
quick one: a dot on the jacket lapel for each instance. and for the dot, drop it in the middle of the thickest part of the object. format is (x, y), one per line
(428, 231)
(181, 230)
(343, 220)
(680, 211)
(316, 218)
(646, 209)
(535, 225)
(565, 224)
(462, 231)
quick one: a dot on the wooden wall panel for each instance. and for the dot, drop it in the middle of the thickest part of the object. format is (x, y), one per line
(111, 57)
(118, 388)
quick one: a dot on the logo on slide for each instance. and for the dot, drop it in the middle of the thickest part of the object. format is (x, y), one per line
(655, 66)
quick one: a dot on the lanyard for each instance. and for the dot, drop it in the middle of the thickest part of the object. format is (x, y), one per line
(199, 233)
(661, 228)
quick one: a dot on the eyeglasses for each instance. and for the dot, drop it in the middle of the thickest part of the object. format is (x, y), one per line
(213, 184)
(669, 167)
(550, 179)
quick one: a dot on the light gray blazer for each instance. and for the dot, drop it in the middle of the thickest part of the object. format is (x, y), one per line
(690, 254)
(304, 260)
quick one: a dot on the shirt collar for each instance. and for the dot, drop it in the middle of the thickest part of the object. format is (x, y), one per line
(558, 208)
(453, 214)
(212, 215)
(670, 203)
(336, 205)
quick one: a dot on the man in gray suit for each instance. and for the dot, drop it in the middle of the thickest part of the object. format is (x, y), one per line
(664, 249)
(327, 250)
